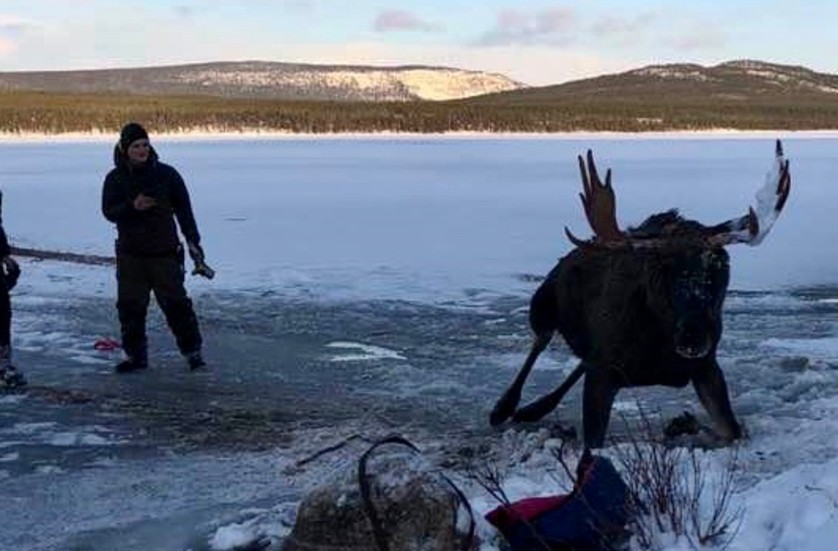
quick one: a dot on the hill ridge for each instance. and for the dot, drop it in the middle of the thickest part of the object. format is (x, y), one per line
(270, 80)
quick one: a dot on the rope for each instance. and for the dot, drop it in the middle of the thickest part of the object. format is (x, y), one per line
(379, 533)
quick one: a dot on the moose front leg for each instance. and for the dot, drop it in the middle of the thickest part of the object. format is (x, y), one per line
(709, 384)
(536, 410)
(509, 401)
(597, 398)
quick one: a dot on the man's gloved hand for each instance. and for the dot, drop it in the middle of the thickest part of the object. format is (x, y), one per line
(11, 269)
(195, 252)
(197, 255)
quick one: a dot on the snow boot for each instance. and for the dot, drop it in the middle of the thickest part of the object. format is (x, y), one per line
(131, 364)
(195, 360)
(10, 377)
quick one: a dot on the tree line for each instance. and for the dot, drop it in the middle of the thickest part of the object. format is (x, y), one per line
(24, 112)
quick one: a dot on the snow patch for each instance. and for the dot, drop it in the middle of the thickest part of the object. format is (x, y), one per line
(232, 536)
(366, 352)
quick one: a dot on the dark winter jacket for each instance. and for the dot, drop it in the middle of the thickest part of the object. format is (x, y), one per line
(5, 250)
(151, 232)
(4, 242)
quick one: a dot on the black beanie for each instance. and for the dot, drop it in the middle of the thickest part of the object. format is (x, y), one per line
(131, 132)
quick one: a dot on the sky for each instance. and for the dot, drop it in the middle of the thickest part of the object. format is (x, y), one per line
(537, 42)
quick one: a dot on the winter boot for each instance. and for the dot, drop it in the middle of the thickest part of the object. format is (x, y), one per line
(132, 363)
(195, 360)
(9, 376)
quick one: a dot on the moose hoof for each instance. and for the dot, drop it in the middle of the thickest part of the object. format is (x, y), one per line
(503, 410)
(533, 412)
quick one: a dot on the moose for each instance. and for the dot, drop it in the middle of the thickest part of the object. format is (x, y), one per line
(640, 307)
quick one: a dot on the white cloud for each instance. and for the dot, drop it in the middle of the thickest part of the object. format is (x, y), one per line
(554, 26)
(12, 24)
(698, 39)
(12, 30)
(402, 20)
(623, 30)
(299, 6)
(185, 11)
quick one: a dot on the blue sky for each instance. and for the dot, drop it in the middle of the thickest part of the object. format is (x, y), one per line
(534, 41)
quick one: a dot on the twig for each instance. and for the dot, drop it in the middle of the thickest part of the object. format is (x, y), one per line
(330, 449)
(559, 456)
(822, 490)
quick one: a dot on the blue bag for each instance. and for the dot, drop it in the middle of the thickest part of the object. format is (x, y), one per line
(591, 518)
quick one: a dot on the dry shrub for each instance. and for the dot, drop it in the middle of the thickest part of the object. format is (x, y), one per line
(676, 491)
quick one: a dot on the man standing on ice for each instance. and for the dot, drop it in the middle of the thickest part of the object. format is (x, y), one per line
(9, 271)
(143, 197)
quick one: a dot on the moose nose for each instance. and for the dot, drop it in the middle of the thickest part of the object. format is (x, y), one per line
(694, 349)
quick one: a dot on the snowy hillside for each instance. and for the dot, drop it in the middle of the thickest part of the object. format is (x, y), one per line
(257, 79)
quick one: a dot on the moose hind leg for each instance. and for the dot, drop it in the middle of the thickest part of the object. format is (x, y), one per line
(507, 403)
(709, 384)
(597, 398)
(547, 403)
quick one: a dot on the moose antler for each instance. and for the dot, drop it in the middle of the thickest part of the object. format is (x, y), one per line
(599, 203)
(771, 197)
(600, 206)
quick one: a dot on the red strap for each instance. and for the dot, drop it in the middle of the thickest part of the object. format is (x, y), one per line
(525, 509)
(107, 344)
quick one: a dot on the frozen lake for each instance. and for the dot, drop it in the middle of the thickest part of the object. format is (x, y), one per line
(365, 286)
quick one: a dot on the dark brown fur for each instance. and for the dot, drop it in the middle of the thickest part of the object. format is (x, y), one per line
(634, 318)
(642, 307)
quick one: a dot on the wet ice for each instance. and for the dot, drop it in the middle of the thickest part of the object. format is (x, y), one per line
(378, 288)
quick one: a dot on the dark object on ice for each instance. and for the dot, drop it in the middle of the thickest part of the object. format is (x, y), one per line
(262, 543)
(684, 424)
(641, 307)
(592, 517)
(64, 256)
(390, 500)
(795, 363)
(202, 269)
(201, 266)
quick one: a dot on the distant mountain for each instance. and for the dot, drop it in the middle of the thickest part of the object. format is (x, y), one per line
(267, 80)
(730, 83)
(220, 97)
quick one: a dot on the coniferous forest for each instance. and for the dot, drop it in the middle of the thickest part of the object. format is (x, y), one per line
(39, 112)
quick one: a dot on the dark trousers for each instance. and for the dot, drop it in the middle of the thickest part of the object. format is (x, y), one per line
(5, 313)
(136, 277)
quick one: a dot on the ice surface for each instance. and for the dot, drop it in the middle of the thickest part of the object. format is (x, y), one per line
(411, 261)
